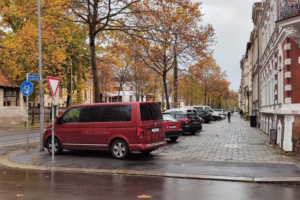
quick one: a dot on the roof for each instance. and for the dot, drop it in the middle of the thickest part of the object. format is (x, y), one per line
(6, 80)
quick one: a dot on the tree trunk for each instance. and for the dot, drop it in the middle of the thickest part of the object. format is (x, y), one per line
(205, 96)
(166, 90)
(175, 98)
(94, 65)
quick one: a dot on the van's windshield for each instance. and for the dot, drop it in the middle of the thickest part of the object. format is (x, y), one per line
(150, 112)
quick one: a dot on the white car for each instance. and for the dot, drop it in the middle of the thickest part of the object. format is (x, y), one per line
(221, 112)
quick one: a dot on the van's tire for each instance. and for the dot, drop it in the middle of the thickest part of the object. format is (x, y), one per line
(173, 139)
(214, 118)
(57, 146)
(119, 149)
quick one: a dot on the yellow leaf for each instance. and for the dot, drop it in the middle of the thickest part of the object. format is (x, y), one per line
(144, 197)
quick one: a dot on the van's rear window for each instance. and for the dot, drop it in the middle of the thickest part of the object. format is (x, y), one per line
(150, 112)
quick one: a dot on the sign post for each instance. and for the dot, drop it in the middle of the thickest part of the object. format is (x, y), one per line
(26, 89)
(53, 83)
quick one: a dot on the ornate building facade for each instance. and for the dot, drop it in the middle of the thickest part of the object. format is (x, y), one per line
(280, 74)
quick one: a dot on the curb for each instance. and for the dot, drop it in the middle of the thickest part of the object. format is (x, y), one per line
(5, 161)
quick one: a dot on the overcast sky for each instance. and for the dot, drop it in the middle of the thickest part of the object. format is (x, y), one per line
(232, 21)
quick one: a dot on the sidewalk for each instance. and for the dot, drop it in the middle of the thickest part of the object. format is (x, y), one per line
(221, 151)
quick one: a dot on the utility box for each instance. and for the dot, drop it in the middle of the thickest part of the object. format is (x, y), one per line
(253, 120)
(273, 135)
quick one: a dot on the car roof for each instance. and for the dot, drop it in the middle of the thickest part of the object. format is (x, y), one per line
(182, 110)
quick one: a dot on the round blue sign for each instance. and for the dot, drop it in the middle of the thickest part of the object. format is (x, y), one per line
(26, 88)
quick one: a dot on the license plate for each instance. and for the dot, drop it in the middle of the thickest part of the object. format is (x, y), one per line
(172, 126)
(155, 130)
(195, 122)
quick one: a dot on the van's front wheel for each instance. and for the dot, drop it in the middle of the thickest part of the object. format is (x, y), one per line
(119, 149)
(57, 147)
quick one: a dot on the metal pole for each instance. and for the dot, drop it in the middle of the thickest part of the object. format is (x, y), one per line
(41, 80)
(27, 140)
(71, 84)
(53, 147)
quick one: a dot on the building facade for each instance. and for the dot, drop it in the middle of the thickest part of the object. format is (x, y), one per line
(12, 109)
(280, 74)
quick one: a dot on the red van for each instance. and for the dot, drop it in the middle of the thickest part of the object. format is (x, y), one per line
(116, 127)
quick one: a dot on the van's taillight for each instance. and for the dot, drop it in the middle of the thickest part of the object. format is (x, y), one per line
(186, 120)
(140, 132)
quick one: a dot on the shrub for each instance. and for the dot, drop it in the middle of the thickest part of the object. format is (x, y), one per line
(246, 116)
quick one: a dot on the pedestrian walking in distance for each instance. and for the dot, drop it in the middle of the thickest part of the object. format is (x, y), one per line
(228, 115)
(241, 113)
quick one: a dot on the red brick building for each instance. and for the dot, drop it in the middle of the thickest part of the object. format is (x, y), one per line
(280, 72)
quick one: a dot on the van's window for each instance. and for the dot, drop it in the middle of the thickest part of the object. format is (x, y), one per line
(71, 116)
(106, 113)
(150, 112)
(92, 114)
(117, 113)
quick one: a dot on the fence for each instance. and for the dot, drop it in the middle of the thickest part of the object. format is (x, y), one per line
(35, 112)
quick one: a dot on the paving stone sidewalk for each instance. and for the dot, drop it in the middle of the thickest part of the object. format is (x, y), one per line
(225, 142)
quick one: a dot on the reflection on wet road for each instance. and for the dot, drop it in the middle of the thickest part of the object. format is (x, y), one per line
(29, 184)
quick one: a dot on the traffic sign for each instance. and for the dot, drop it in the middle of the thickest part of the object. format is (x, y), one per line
(53, 83)
(26, 88)
(33, 77)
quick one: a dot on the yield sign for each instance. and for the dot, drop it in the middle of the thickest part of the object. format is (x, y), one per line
(54, 83)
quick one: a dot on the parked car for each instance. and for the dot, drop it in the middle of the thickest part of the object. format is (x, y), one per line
(115, 127)
(215, 115)
(204, 114)
(190, 121)
(172, 127)
(222, 112)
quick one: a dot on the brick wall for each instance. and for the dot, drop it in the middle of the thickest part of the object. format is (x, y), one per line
(295, 71)
(294, 68)
(296, 135)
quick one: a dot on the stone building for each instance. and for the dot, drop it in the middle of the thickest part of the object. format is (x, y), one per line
(12, 109)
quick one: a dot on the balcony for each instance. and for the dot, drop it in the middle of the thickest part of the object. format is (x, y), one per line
(291, 9)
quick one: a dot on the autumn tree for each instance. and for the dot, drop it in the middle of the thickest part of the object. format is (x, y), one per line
(214, 85)
(100, 17)
(178, 34)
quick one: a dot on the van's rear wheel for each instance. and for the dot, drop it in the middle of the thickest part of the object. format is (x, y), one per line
(57, 146)
(173, 139)
(119, 149)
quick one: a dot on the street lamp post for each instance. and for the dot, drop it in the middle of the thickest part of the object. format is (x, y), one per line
(41, 80)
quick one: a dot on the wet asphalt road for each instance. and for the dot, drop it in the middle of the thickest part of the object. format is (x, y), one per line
(30, 184)
(33, 184)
